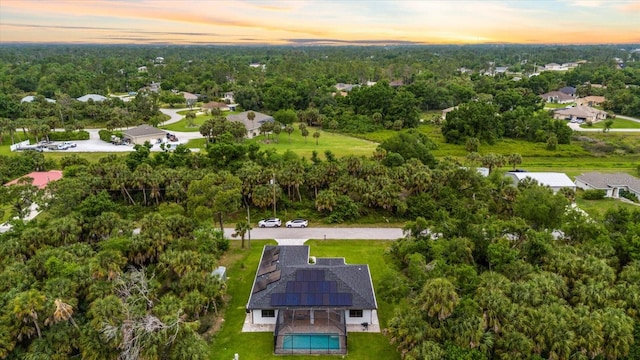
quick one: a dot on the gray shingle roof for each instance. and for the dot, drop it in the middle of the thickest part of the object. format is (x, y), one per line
(599, 180)
(353, 279)
(144, 130)
(257, 121)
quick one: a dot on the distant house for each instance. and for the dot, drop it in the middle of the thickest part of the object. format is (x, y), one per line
(554, 67)
(142, 69)
(610, 183)
(154, 87)
(228, 97)
(580, 113)
(143, 133)
(158, 60)
(569, 90)
(252, 126)
(40, 179)
(295, 297)
(555, 181)
(215, 105)
(447, 110)
(345, 87)
(30, 98)
(558, 97)
(189, 98)
(258, 66)
(94, 97)
(396, 83)
(591, 101)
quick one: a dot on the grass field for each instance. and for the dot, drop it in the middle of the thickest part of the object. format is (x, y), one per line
(340, 145)
(617, 124)
(241, 266)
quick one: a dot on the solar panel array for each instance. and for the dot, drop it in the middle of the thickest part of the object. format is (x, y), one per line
(311, 289)
(268, 271)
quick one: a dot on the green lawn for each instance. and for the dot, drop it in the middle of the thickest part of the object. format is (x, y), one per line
(597, 208)
(617, 124)
(182, 124)
(241, 267)
(340, 145)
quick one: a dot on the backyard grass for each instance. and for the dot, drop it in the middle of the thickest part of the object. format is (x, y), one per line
(617, 124)
(241, 266)
(556, 106)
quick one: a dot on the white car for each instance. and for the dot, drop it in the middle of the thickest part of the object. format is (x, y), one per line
(69, 144)
(301, 223)
(271, 222)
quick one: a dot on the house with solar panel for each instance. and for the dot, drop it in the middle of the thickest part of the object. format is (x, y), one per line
(310, 304)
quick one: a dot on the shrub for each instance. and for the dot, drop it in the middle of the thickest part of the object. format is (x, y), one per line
(105, 135)
(628, 195)
(69, 135)
(594, 194)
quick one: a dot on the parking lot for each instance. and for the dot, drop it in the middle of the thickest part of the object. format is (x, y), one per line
(94, 144)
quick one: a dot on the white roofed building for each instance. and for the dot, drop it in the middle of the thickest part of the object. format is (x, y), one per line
(555, 181)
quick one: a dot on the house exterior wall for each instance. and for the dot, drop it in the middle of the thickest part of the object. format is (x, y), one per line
(367, 316)
(584, 186)
(140, 140)
(256, 317)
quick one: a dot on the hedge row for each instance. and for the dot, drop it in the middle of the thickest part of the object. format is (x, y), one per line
(69, 135)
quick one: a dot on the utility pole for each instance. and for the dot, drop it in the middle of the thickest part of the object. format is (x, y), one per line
(249, 222)
(273, 183)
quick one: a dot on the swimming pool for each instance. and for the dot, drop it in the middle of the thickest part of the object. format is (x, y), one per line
(311, 342)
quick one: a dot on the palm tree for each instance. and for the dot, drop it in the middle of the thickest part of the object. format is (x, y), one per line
(25, 307)
(514, 159)
(241, 229)
(251, 116)
(305, 133)
(316, 135)
(289, 129)
(438, 298)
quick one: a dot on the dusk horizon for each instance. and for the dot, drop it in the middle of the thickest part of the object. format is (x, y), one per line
(153, 22)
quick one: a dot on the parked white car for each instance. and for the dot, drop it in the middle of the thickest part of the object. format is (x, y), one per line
(299, 223)
(69, 144)
(271, 222)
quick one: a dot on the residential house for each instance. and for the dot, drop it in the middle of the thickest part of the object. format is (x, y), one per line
(612, 184)
(215, 105)
(154, 87)
(40, 179)
(580, 113)
(158, 60)
(189, 98)
(228, 97)
(143, 133)
(94, 97)
(296, 296)
(558, 97)
(569, 90)
(554, 67)
(252, 126)
(447, 110)
(142, 69)
(30, 98)
(555, 181)
(591, 101)
(345, 87)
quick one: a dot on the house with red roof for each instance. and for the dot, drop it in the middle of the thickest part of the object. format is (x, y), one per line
(40, 178)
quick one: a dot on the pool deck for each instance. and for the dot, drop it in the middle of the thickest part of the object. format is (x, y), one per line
(249, 327)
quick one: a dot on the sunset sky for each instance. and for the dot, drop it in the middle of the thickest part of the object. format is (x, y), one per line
(320, 21)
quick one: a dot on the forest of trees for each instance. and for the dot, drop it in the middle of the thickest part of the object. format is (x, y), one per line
(118, 264)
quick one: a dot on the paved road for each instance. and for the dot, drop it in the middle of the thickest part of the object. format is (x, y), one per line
(298, 236)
